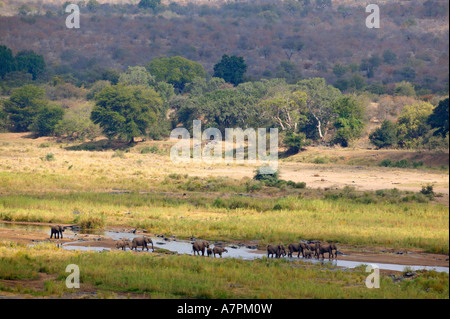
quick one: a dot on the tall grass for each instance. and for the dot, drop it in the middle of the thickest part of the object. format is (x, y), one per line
(165, 276)
(397, 225)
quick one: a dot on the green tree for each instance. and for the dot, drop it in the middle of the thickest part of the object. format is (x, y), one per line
(46, 120)
(412, 123)
(200, 86)
(369, 65)
(389, 57)
(77, 124)
(126, 112)
(7, 61)
(231, 69)
(349, 121)
(405, 89)
(384, 136)
(136, 75)
(339, 70)
(30, 62)
(23, 105)
(295, 142)
(320, 98)
(177, 71)
(3, 118)
(92, 5)
(222, 108)
(439, 118)
(289, 71)
(285, 109)
(149, 4)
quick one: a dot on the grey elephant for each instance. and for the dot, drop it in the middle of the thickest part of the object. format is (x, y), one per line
(326, 249)
(276, 250)
(307, 253)
(314, 248)
(57, 231)
(297, 247)
(219, 251)
(141, 242)
(200, 246)
(122, 244)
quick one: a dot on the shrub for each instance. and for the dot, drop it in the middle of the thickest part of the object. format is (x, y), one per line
(46, 120)
(154, 150)
(385, 136)
(90, 221)
(119, 154)
(48, 157)
(428, 191)
(295, 142)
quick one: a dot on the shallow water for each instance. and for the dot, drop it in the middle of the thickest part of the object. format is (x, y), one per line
(185, 247)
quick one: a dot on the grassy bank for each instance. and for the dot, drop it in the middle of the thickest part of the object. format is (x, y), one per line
(164, 276)
(235, 218)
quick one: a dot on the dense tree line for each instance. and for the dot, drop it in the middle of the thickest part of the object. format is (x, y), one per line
(289, 39)
(150, 96)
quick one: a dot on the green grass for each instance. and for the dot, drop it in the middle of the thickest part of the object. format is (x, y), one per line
(342, 219)
(166, 276)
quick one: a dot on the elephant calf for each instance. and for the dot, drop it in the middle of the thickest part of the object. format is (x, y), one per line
(209, 252)
(141, 242)
(276, 250)
(219, 251)
(307, 253)
(57, 231)
(122, 244)
(200, 246)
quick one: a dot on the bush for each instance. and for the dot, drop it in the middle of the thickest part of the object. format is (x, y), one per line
(428, 191)
(385, 136)
(300, 185)
(154, 150)
(46, 120)
(401, 164)
(320, 160)
(77, 125)
(48, 157)
(295, 142)
(90, 221)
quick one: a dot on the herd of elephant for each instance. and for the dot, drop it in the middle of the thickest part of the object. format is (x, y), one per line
(307, 250)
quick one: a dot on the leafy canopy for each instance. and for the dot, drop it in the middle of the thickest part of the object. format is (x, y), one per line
(23, 105)
(177, 71)
(126, 112)
(231, 69)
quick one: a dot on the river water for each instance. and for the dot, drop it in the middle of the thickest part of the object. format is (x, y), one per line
(185, 247)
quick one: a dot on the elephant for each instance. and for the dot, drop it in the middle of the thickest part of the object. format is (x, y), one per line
(209, 252)
(314, 248)
(326, 249)
(200, 246)
(219, 251)
(122, 244)
(57, 231)
(307, 253)
(141, 242)
(300, 247)
(276, 250)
